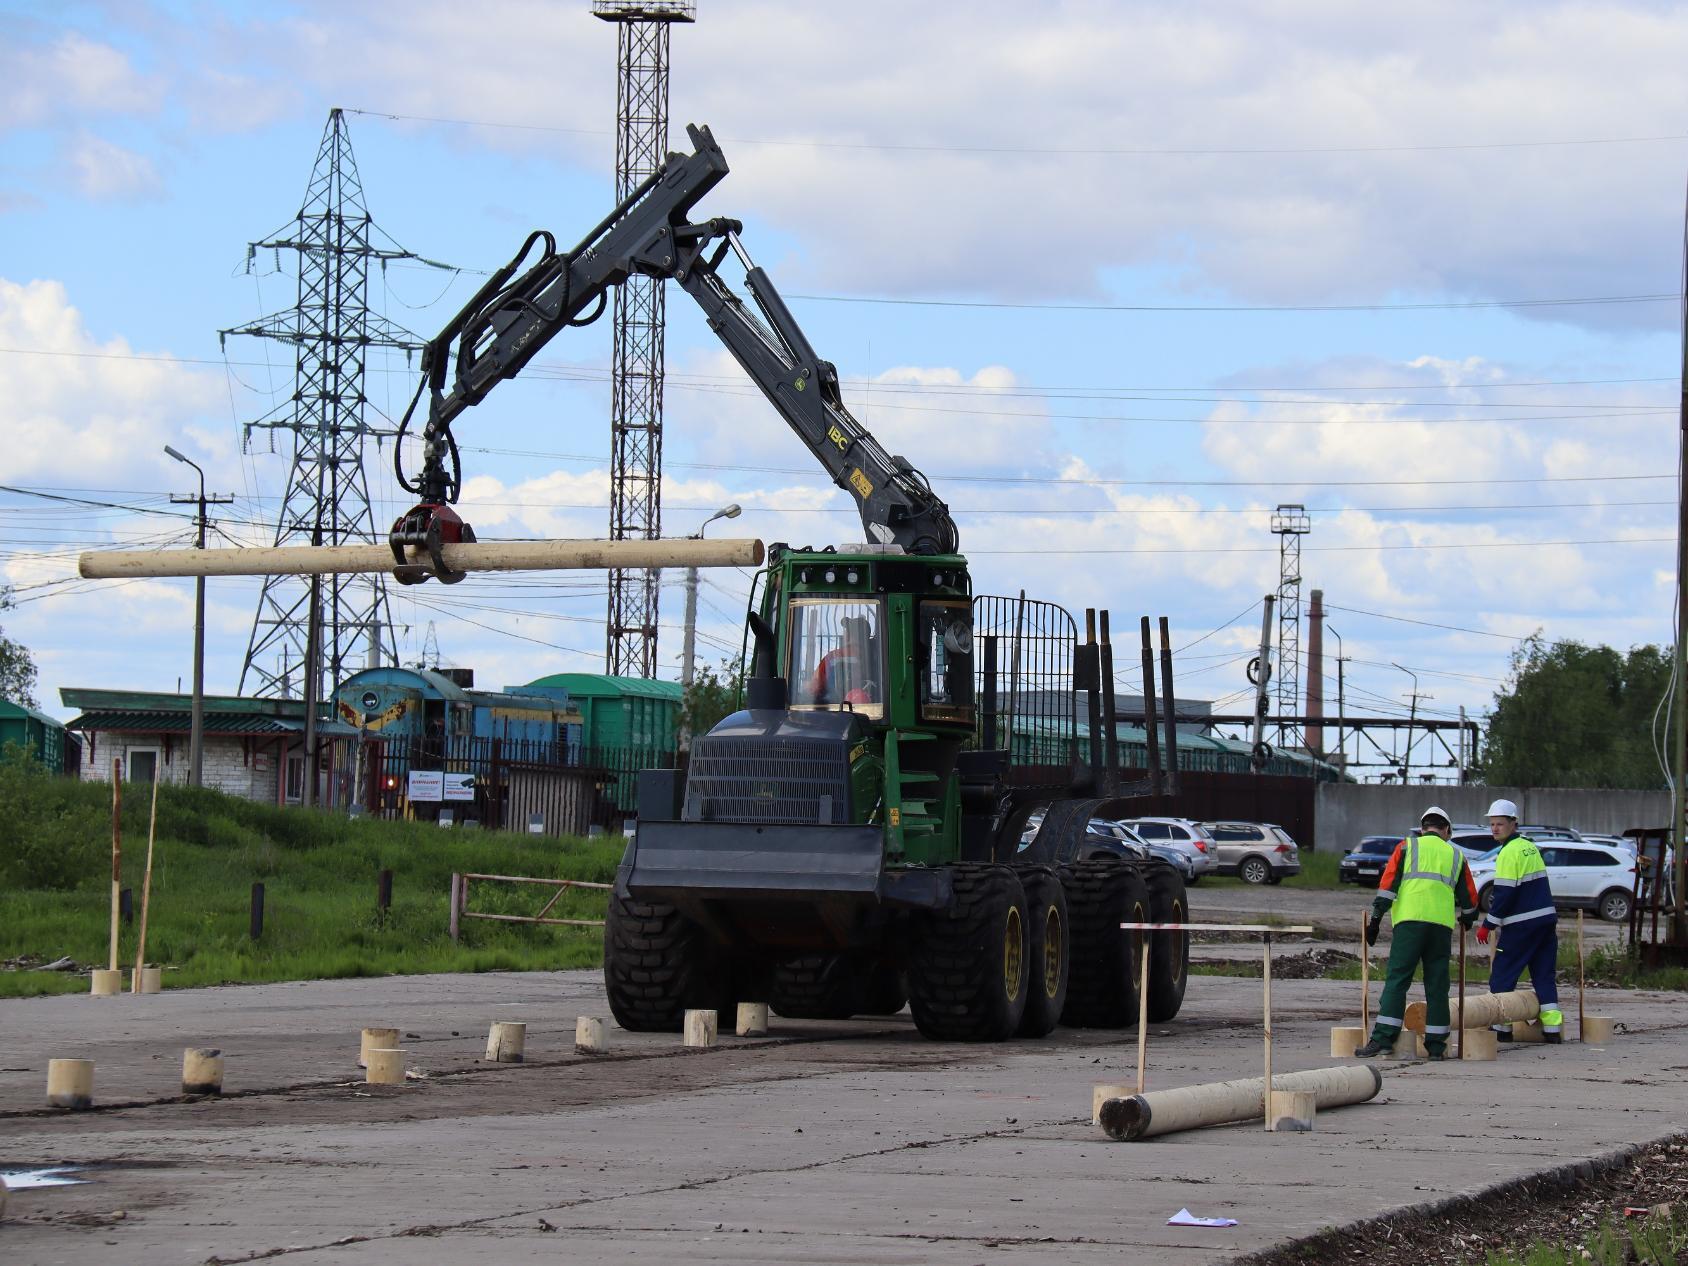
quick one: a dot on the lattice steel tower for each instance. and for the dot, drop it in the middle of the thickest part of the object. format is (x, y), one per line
(1289, 524)
(641, 143)
(327, 502)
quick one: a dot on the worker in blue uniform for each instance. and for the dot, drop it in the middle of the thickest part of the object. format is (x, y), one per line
(1521, 910)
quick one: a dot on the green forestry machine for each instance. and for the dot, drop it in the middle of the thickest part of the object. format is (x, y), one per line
(863, 834)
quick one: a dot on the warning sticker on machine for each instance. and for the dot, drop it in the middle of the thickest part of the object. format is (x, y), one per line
(860, 483)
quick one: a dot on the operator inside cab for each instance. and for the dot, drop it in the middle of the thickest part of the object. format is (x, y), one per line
(849, 672)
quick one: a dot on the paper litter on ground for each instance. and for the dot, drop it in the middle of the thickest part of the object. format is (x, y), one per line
(1185, 1218)
(22, 1179)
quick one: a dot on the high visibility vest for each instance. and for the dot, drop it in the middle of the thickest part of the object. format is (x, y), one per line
(1521, 892)
(1429, 871)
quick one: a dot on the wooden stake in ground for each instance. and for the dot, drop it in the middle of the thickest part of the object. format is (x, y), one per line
(1459, 1050)
(116, 852)
(1580, 983)
(1365, 975)
(1143, 1014)
(1266, 1007)
(146, 887)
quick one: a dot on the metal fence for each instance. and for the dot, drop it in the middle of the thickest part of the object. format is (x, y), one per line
(563, 787)
(1024, 657)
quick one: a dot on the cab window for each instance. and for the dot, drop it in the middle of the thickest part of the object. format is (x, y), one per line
(944, 636)
(835, 658)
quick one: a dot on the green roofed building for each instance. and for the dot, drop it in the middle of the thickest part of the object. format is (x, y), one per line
(44, 737)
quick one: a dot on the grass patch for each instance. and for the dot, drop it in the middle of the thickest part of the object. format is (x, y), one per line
(1617, 967)
(319, 872)
(1659, 1239)
(1318, 870)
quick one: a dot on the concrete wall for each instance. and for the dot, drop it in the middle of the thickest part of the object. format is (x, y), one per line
(1346, 811)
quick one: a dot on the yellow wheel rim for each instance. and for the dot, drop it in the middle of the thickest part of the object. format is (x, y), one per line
(1178, 939)
(1051, 952)
(1013, 954)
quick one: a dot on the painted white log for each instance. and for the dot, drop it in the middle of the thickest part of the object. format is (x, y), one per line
(1527, 1031)
(1222, 1103)
(752, 1019)
(701, 1027)
(1484, 1009)
(588, 1035)
(1345, 1040)
(105, 982)
(202, 1071)
(325, 560)
(386, 1067)
(1108, 1090)
(506, 1042)
(373, 1038)
(1598, 1029)
(1292, 1111)
(1407, 1045)
(70, 1083)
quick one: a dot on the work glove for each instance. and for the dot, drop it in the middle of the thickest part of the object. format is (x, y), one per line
(1483, 934)
(1468, 920)
(1372, 927)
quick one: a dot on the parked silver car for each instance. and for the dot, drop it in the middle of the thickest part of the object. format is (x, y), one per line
(1257, 852)
(1183, 834)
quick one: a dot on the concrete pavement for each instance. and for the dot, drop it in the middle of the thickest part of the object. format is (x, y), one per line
(842, 1142)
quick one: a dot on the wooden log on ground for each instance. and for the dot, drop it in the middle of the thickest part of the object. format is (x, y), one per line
(386, 1067)
(202, 1071)
(1225, 1102)
(1479, 1044)
(325, 560)
(372, 1038)
(1598, 1029)
(1345, 1039)
(1485, 1009)
(70, 1083)
(701, 1027)
(588, 1035)
(1291, 1111)
(506, 1043)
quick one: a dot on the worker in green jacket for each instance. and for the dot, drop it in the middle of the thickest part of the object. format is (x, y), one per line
(1425, 880)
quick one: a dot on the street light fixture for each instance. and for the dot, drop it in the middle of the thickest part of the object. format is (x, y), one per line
(688, 650)
(196, 732)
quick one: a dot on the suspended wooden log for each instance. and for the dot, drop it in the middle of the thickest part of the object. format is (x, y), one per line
(323, 560)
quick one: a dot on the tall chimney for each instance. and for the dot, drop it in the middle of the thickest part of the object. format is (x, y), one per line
(1316, 672)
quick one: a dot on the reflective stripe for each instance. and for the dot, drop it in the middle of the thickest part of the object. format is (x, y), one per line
(1551, 1028)
(1440, 1029)
(1387, 894)
(1510, 919)
(1505, 883)
(1413, 872)
(1393, 1021)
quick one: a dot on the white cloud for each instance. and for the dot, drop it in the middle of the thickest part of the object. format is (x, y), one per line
(103, 169)
(71, 78)
(81, 410)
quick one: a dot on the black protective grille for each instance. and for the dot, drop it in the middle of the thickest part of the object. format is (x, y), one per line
(734, 779)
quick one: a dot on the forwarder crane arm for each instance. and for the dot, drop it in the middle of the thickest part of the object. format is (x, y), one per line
(512, 317)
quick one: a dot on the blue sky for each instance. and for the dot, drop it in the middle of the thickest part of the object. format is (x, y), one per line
(1057, 166)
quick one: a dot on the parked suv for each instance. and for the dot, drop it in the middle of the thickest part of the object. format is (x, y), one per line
(1581, 876)
(1182, 834)
(1364, 863)
(1257, 852)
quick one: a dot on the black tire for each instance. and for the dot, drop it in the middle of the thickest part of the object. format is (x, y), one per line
(883, 991)
(1484, 896)
(967, 977)
(1169, 952)
(1193, 880)
(1614, 905)
(1048, 952)
(1102, 984)
(1254, 870)
(815, 987)
(657, 965)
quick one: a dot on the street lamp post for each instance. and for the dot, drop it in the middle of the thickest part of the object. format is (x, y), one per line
(688, 649)
(196, 735)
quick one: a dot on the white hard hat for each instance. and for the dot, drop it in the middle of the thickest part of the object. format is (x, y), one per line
(1434, 811)
(1503, 809)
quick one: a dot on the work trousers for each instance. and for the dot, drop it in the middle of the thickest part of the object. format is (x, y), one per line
(1531, 946)
(1411, 944)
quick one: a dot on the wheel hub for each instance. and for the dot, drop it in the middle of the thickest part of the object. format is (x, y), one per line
(1052, 952)
(1013, 954)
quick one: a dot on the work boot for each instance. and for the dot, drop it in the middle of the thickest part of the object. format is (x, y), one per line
(1377, 1046)
(1436, 1055)
(1553, 1039)
(1503, 1035)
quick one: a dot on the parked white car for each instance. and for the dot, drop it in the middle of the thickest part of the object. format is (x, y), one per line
(1182, 834)
(1581, 875)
